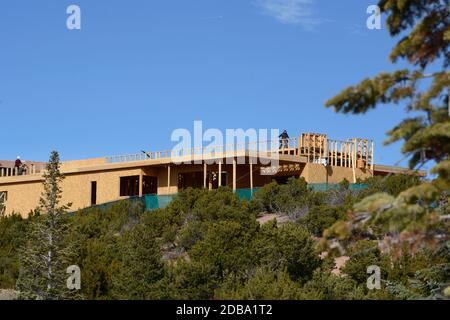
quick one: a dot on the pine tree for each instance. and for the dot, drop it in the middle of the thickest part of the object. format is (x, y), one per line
(414, 218)
(45, 257)
(142, 265)
(426, 134)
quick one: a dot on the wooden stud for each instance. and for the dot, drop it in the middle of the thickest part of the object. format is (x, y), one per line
(251, 175)
(205, 174)
(234, 174)
(220, 173)
(141, 181)
(168, 179)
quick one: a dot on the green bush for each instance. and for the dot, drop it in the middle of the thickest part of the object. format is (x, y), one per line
(13, 230)
(321, 217)
(265, 284)
(208, 244)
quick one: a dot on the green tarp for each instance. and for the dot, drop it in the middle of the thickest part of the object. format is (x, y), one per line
(153, 201)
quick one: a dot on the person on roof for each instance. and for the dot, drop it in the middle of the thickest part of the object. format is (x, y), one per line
(18, 162)
(19, 165)
(284, 139)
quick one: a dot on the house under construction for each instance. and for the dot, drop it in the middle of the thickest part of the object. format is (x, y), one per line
(89, 182)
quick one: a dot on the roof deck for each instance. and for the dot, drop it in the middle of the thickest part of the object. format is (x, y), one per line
(307, 148)
(315, 148)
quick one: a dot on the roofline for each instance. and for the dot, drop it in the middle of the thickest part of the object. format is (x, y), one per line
(187, 160)
(399, 170)
(150, 162)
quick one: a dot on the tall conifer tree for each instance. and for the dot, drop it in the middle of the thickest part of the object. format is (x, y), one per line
(46, 256)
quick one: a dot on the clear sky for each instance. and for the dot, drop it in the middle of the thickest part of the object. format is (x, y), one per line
(138, 69)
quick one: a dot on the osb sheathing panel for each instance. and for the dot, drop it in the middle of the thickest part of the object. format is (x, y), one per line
(24, 197)
(317, 173)
(76, 164)
(77, 188)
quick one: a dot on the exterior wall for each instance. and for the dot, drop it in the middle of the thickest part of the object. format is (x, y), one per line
(24, 196)
(77, 187)
(317, 173)
(242, 175)
(163, 187)
(76, 164)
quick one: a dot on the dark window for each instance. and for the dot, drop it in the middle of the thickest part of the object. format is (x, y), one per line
(283, 179)
(149, 185)
(224, 178)
(215, 179)
(93, 193)
(129, 186)
(190, 179)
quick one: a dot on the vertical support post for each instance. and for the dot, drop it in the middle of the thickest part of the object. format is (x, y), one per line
(141, 181)
(354, 156)
(308, 146)
(251, 175)
(372, 159)
(300, 145)
(234, 174)
(333, 163)
(336, 153)
(220, 173)
(347, 154)
(332, 153)
(366, 148)
(320, 148)
(204, 175)
(168, 179)
(314, 147)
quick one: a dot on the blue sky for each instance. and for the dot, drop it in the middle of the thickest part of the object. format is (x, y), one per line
(139, 69)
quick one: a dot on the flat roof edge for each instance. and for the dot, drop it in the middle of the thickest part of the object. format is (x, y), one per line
(402, 170)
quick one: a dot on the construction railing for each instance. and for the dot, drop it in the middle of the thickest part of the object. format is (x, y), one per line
(314, 148)
(309, 147)
(353, 153)
(26, 169)
(269, 147)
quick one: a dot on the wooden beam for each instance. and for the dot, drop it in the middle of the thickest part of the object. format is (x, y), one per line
(372, 159)
(141, 181)
(168, 179)
(205, 173)
(234, 174)
(336, 153)
(220, 173)
(355, 150)
(251, 175)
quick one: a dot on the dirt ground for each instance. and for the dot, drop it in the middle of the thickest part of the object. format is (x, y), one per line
(8, 294)
(267, 217)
